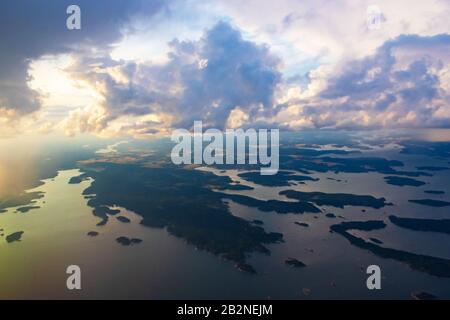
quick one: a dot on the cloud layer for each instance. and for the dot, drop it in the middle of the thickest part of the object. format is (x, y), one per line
(405, 83)
(293, 65)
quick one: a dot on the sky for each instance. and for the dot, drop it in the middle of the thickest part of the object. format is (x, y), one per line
(142, 68)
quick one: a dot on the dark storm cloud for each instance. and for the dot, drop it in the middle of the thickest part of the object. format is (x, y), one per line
(33, 28)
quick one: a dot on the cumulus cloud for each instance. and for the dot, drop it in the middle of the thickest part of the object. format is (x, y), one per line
(205, 80)
(405, 83)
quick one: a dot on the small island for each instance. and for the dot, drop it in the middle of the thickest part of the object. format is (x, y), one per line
(434, 192)
(27, 208)
(431, 202)
(125, 241)
(420, 295)
(16, 236)
(244, 267)
(401, 181)
(123, 219)
(294, 263)
(302, 224)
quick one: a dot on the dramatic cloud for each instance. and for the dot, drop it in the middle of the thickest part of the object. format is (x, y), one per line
(405, 83)
(30, 29)
(207, 80)
(140, 67)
